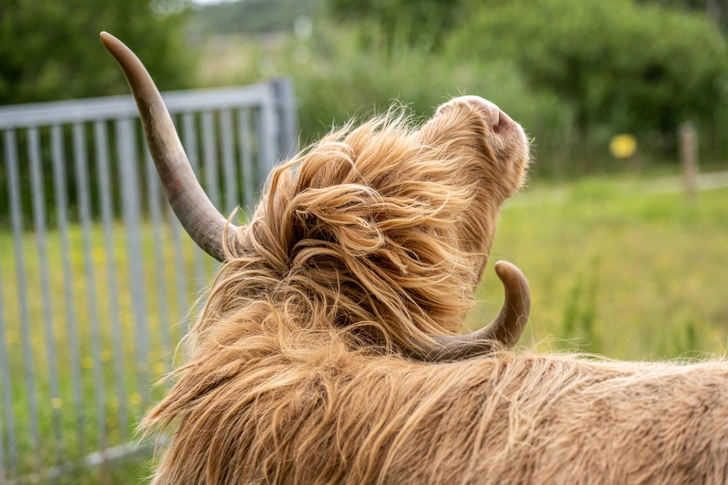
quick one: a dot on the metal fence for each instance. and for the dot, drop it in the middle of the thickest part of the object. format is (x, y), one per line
(95, 271)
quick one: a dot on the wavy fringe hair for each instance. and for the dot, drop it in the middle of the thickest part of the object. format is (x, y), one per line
(369, 234)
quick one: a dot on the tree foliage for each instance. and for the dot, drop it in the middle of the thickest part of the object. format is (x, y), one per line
(629, 66)
(50, 49)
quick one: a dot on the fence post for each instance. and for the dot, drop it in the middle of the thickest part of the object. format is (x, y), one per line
(286, 105)
(689, 158)
(267, 127)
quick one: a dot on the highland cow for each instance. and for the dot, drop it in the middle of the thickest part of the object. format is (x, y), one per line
(328, 348)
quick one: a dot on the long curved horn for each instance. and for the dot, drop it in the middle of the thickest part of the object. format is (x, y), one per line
(504, 330)
(188, 200)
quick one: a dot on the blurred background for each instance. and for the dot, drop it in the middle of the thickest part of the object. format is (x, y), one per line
(622, 228)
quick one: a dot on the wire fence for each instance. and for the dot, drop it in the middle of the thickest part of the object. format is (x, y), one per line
(95, 271)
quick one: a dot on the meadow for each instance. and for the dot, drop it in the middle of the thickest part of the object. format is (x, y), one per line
(617, 268)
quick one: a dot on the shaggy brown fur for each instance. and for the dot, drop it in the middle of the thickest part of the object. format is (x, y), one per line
(373, 240)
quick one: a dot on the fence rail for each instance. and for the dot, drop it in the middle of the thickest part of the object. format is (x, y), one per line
(100, 272)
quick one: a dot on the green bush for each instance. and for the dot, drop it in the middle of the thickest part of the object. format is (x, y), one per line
(629, 67)
(573, 72)
(336, 78)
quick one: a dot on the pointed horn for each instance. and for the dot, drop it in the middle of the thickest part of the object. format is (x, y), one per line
(188, 200)
(504, 330)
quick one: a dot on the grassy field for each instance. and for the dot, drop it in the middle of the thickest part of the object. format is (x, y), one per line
(617, 271)
(614, 270)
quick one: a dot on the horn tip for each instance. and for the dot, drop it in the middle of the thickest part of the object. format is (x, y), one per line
(112, 44)
(504, 267)
(508, 271)
(105, 37)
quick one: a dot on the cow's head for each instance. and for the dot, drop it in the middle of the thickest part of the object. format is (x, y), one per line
(383, 229)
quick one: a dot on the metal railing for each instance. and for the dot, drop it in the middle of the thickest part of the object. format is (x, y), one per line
(95, 271)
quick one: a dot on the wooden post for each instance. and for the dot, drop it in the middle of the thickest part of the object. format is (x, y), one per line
(689, 157)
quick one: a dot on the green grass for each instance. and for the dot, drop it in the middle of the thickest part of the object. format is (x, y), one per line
(132, 470)
(617, 272)
(612, 270)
